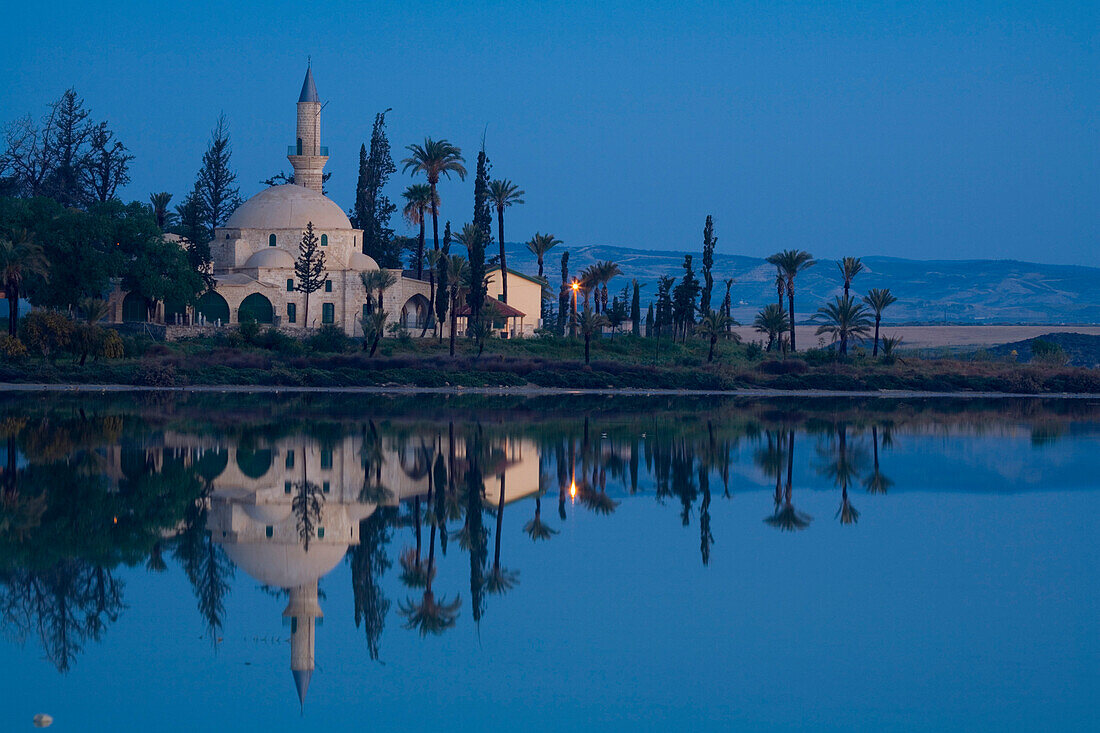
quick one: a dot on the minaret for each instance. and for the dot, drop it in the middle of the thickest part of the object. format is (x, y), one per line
(303, 610)
(307, 157)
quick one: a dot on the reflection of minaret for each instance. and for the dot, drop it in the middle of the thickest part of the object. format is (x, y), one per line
(307, 157)
(303, 610)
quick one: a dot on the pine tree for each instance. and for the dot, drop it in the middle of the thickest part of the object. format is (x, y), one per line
(664, 303)
(68, 148)
(220, 197)
(372, 207)
(309, 268)
(636, 310)
(709, 242)
(105, 167)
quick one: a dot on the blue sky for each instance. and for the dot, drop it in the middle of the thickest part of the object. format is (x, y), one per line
(922, 130)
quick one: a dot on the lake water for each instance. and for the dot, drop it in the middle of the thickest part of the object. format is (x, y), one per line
(351, 562)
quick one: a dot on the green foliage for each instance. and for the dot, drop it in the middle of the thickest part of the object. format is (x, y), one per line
(709, 243)
(771, 321)
(216, 182)
(46, 333)
(330, 340)
(11, 347)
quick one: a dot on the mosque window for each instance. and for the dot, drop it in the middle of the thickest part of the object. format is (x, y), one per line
(324, 240)
(286, 487)
(294, 624)
(291, 313)
(328, 313)
(320, 533)
(269, 531)
(271, 240)
(290, 285)
(328, 286)
(326, 459)
(325, 487)
(290, 459)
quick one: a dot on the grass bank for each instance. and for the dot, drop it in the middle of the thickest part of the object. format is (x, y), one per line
(622, 362)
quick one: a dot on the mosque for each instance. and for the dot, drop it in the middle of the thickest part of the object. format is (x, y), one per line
(253, 257)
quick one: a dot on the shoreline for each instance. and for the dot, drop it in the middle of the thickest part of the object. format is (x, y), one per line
(13, 388)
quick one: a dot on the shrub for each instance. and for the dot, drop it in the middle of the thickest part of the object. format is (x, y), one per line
(783, 366)
(156, 374)
(249, 330)
(818, 357)
(754, 350)
(11, 347)
(46, 332)
(1048, 353)
(111, 347)
(331, 340)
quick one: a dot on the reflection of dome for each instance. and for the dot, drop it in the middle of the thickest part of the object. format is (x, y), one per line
(285, 566)
(288, 207)
(272, 257)
(361, 262)
(267, 513)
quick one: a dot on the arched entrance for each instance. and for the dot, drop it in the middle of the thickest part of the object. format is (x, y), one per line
(213, 306)
(254, 463)
(175, 311)
(416, 312)
(135, 309)
(255, 308)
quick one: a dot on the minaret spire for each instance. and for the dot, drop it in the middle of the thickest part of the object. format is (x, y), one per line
(307, 156)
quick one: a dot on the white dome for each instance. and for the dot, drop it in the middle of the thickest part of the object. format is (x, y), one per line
(285, 566)
(288, 207)
(361, 262)
(270, 258)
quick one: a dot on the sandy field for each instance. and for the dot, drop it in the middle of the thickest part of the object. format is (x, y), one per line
(924, 337)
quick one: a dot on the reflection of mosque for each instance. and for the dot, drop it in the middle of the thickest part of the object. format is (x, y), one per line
(287, 512)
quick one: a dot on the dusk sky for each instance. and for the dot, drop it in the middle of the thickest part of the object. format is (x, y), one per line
(920, 130)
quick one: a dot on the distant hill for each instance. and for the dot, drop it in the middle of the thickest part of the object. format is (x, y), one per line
(928, 291)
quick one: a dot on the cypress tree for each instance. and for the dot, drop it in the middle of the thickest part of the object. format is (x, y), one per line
(192, 227)
(709, 242)
(216, 181)
(683, 299)
(483, 212)
(563, 294)
(636, 310)
(372, 207)
(309, 268)
(442, 293)
(475, 253)
(649, 321)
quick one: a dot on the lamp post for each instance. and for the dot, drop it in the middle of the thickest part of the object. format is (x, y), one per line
(573, 319)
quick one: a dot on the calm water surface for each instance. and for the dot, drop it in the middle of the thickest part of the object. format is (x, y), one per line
(207, 562)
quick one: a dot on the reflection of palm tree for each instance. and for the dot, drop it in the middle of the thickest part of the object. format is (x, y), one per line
(876, 482)
(786, 517)
(500, 579)
(537, 529)
(368, 564)
(847, 513)
(430, 616)
(156, 563)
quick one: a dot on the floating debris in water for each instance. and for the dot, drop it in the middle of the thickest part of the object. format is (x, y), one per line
(43, 721)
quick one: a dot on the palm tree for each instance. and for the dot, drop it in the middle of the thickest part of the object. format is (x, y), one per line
(879, 299)
(604, 272)
(713, 325)
(849, 267)
(590, 324)
(373, 325)
(159, 202)
(843, 319)
(540, 244)
(419, 197)
(94, 310)
(458, 279)
(771, 321)
(380, 280)
(435, 158)
(19, 257)
(791, 262)
(434, 256)
(504, 193)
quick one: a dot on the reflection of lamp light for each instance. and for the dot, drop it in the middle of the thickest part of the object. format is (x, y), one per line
(573, 490)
